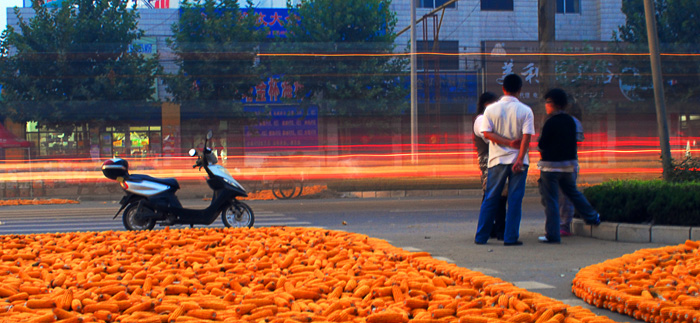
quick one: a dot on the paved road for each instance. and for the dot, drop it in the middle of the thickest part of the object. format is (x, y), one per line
(443, 226)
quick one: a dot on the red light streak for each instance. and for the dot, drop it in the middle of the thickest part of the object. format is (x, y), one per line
(599, 158)
(467, 54)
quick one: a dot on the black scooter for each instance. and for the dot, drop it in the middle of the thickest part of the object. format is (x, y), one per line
(151, 200)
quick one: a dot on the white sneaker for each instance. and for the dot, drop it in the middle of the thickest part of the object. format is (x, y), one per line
(544, 239)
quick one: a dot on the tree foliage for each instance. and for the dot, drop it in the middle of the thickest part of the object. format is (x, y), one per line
(335, 78)
(75, 63)
(215, 43)
(675, 21)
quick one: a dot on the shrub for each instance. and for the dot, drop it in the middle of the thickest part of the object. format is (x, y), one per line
(688, 170)
(654, 202)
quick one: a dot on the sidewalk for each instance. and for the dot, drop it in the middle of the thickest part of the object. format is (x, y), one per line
(622, 232)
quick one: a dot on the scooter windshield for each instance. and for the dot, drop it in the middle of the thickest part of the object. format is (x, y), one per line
(221, 171)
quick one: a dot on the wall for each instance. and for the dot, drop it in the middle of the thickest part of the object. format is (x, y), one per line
(469, 25)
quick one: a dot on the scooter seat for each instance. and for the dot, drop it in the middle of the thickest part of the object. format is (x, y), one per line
(172, 182)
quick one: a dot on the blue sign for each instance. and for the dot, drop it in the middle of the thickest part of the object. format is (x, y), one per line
(275, 19)
(453, 87)
(282, 126)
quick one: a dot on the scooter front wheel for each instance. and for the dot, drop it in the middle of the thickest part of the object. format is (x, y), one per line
(131, 221)
(238, 215)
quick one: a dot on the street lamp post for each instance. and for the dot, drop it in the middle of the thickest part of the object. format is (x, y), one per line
(660, 101)
(414, 81)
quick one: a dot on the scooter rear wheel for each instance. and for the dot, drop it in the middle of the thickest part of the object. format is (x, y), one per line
(238, 215)
(132, 223)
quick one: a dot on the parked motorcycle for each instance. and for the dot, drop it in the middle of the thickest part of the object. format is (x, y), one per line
(151, 200)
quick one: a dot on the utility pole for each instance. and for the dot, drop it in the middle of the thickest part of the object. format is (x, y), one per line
(414, 84)
(660, 101)
(546, 32)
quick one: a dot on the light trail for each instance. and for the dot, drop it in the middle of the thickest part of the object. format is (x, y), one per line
(319, 168)
(315, 55)
(600, 159)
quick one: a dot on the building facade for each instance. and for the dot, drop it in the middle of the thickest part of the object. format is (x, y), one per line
(470, 22)
(467, 25)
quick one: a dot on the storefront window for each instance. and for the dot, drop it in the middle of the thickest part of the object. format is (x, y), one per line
(54, 143)
(132, 141)
(119, 144)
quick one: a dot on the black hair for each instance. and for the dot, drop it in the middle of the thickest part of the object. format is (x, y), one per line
(512, 83)
(558, 97)
(484, 100)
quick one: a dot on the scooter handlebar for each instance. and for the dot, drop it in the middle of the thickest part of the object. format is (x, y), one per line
(198, 163)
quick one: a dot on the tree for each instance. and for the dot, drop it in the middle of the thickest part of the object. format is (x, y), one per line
(342, 83)
(675, 18)
(75, 63)
(216, 45)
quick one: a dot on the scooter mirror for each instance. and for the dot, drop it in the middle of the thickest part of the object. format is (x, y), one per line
(210, 134)
(193, 152)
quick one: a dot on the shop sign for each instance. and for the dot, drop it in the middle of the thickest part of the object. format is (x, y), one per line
(273, 90)
(454, 88)
(145, 45)
(275, 19)
(282, 126)
(521, 57)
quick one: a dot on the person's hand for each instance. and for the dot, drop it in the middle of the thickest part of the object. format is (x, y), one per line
(518, 166)
(515, 143)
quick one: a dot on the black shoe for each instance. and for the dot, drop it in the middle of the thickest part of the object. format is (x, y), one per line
(517, 243)
(544, 239)
(479, 243)
(594, 222)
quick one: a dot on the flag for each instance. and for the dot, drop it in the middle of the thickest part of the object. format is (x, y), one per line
(162, 4)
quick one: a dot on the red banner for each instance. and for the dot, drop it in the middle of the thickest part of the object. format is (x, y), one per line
(162, 4)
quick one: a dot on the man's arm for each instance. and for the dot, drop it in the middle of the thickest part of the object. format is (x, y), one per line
(492, 136)
(524, 147)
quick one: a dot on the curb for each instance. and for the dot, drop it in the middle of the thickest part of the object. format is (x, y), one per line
(422, 193)
(640, 233)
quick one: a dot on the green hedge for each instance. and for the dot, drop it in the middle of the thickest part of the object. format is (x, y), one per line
(654, 202)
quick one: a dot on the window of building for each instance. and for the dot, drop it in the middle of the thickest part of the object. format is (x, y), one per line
(435, 3)
(131, 141)
(55, 143)
(441, 62)
(568, 6)
(497, 5)
(135, 141)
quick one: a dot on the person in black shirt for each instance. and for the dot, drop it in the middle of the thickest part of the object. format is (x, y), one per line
(557, 145)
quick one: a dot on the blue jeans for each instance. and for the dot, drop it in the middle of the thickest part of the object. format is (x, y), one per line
(566, 181)
(566, 208)
(496, 180)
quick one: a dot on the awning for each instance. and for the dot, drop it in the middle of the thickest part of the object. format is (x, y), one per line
(9, 140)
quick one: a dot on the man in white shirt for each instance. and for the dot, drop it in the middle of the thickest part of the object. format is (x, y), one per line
(509, 125)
